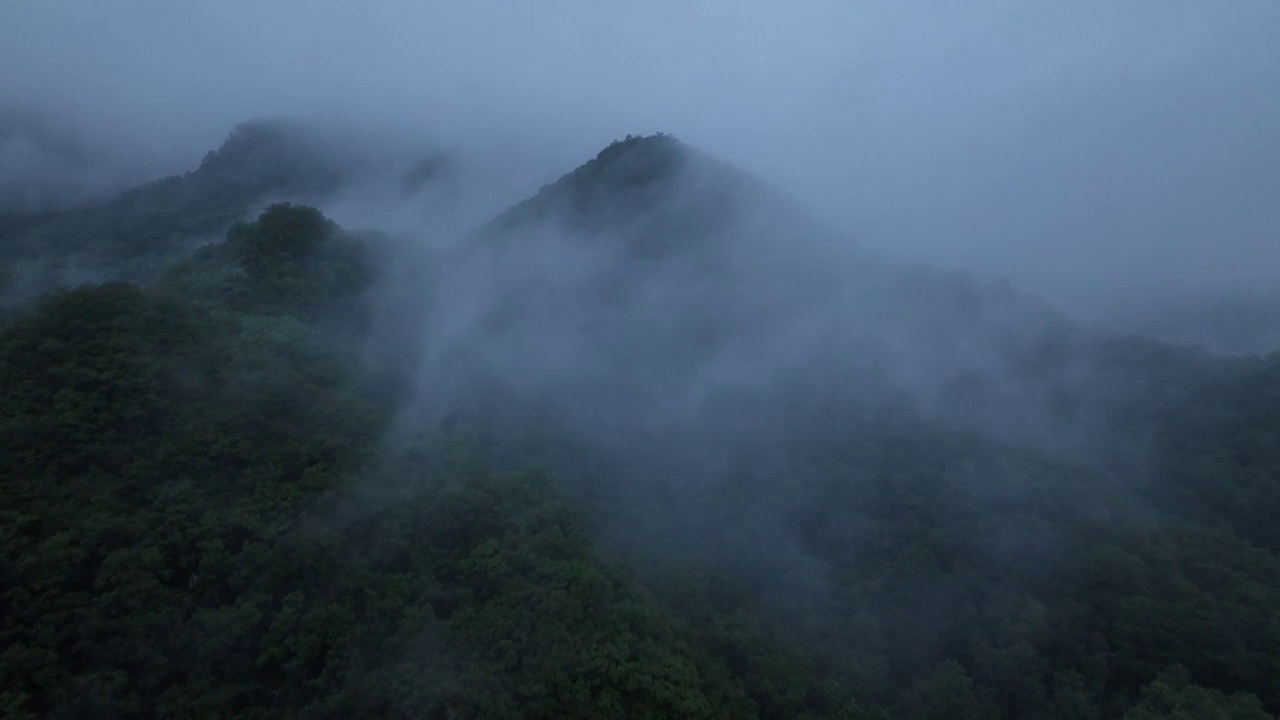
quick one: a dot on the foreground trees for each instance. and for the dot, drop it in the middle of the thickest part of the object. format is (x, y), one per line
(202, 517)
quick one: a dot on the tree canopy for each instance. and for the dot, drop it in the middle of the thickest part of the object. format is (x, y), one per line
(209, 510)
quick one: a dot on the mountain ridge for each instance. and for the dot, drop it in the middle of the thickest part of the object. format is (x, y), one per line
(659, 496)
(651, 233)
(142, 231)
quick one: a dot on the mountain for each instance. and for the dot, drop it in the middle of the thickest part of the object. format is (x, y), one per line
(651, 443)
(143, 231)
(742, 389)
(672, 273)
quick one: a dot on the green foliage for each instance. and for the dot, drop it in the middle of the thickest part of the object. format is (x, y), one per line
(1222, 454)
(626, 179)
(140, 234)
(181, 473)
(291, 260)
(204, 516)
(1173, 697)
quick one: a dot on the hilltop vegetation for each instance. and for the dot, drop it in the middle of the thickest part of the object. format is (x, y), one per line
(223, 499)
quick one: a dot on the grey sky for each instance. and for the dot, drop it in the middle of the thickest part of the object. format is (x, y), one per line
(1075, 146)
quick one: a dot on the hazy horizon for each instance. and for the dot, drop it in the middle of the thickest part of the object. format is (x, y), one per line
(1081, 152)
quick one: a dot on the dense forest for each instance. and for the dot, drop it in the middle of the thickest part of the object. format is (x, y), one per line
(253, 482)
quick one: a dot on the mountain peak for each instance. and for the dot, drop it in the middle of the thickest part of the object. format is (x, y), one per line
(640, 158)
(658, 191)
(274, 152)
(636, 162)
(249, 137)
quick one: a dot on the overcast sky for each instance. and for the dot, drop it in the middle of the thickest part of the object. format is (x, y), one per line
(1075, 146)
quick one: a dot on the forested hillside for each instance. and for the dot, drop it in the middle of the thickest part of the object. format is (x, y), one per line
(639, 447)
(138, 235)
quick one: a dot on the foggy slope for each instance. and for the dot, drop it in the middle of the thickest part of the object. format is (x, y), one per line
(1239, 322)
(680, 321)
(142, 231)
(659, 276)
(727, 380)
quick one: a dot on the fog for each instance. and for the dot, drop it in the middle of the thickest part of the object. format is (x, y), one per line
(51, 162)
(1079, 150)
(841, 311)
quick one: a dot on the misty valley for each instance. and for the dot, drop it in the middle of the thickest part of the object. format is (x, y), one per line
(302, 433)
